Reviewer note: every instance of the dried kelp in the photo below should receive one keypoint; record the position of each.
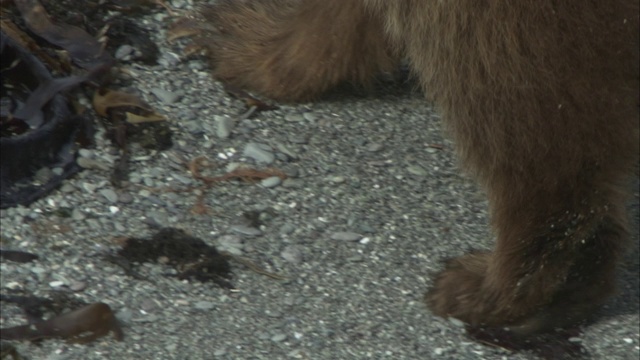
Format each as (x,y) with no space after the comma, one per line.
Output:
(83,325)
(83,49)
(130,119)
(17,256)
(192,257)
(38,129)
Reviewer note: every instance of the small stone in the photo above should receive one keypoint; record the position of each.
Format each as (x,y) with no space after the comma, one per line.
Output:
(271,182)
(456,322)
(77,214)
(375,147)
(78,286)
(273,314)
(231,243)
(294,117)
(87,153)
(123,52)
(56,283)
(284,149)
(224,126)
(259,153)
(310,116)
(109,194)
(278,337)
(346,236)
(292,254)
(87,163)
(298,139)
(125,198)
(204,305)
(125,315)
(416,170)
(67,188)
(292,183)
(43,175)
(168,97)
(246,230)
(366,228)
(287,229)
(219,352)
(89,187)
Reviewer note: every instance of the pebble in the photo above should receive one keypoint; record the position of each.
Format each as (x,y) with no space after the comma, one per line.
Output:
(89,187)
(310,116)
(279,337)
(224,126)
(292,183)
(259,153)
(204,305)
(416,170)
(56,283)
(87,153)
(375,147)
(125,197)
(294,117)
(271,182)
(166,96)
(286,150)
(273,313)
(37,270)
(292,254)
(287,229)
(123,52)
(125,315)
(231,243)
(109,194)
(246,230)
(77,286)
(77,214)
(43,175)
(298,139)
(456,322)
(346,236)
(87,163)
(67,188)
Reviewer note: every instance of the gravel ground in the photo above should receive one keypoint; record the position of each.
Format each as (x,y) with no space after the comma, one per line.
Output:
(368,212)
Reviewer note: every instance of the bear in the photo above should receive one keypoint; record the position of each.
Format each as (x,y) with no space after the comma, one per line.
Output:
(539,96)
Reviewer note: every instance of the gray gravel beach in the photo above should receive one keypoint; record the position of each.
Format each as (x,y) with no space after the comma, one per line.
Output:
(372,205)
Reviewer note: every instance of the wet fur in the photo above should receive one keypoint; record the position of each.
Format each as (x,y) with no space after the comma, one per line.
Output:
(540,96)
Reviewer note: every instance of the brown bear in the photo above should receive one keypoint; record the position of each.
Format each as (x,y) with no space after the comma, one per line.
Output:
(540,97)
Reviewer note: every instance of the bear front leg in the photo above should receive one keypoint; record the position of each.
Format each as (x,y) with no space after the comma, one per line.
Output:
(294,51)
(545,117)
(534,285)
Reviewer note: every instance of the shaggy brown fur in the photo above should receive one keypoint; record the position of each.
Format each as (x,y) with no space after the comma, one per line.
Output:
(540,96)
